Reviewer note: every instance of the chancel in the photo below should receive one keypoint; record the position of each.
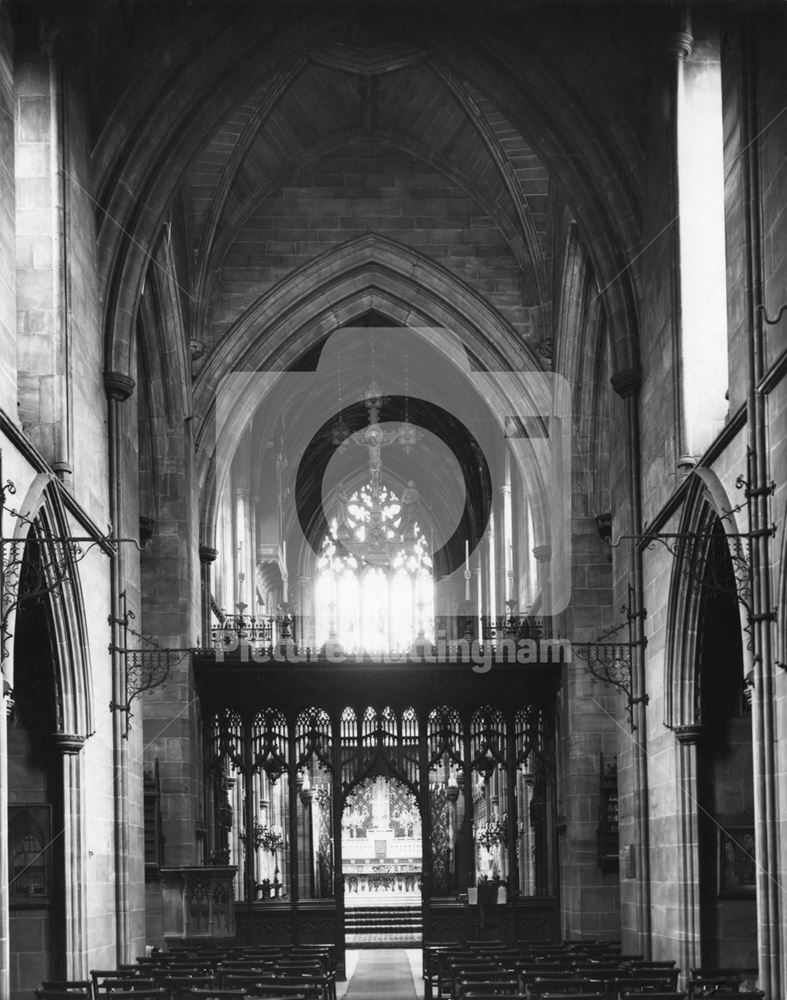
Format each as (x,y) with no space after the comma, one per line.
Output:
(393,477)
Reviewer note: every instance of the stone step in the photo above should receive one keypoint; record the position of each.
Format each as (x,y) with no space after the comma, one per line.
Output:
(366,926)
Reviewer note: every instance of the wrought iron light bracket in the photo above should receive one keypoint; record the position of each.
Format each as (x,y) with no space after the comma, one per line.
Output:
(610,661)
(739,543)
(60,553)
(145,669)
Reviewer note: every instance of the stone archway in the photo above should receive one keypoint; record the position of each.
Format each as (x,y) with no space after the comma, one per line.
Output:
(708,709)
(382,848)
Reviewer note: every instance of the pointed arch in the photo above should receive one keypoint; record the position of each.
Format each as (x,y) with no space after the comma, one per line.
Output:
(707,507)
(43,507)
(371,272)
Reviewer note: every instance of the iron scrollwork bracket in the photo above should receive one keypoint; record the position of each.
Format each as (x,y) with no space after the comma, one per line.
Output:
(739,543)
(145,669)
(610,661)
(24,577)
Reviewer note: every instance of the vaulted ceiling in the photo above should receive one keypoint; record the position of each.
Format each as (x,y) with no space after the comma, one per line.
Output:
(366,136)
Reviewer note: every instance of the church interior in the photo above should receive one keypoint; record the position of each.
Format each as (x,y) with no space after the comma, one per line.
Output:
(393,481)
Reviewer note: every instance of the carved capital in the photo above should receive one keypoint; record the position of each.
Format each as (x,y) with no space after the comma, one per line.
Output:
(689,735)
(69,744)
(207,555)
(626,383)
(680,44)
(543,553)
(118,386)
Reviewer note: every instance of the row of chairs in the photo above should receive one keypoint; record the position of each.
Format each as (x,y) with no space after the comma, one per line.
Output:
(304,972)
(482,970)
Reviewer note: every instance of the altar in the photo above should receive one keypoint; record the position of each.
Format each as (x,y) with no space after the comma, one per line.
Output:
(381,845)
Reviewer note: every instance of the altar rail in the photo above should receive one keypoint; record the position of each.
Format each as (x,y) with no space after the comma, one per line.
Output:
(388,883)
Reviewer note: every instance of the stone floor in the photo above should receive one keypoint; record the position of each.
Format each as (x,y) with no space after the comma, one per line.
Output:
(383,974)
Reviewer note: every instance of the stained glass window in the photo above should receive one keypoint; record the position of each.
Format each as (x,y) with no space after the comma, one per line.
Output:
(374,590)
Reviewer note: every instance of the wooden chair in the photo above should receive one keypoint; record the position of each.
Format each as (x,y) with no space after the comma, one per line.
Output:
(430,961)
(461,968)
(155,994)
(709,983)
(571,996)
(278,996)
(312,986)
(52,993)
(214,993)
(76,986)
(568,986)
(179,986)
(737,995)
(287,984)
(123,984)
(312,970)
(497,987)
(241,980)
(642,984)
(653,995)
(474,995)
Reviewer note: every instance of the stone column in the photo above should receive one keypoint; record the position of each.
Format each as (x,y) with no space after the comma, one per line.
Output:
(54,43)
(305,633)
(75,852)
(8,221)
(503,547)
(689,870)
(478,592)
(489,607)
(6,708)
(119,388)
(207,556)
(543,554)
(241,561)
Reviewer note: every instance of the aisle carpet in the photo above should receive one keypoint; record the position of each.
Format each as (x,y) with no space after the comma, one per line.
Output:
(381,974)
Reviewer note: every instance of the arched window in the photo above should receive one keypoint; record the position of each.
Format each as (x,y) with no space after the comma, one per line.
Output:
(374,588)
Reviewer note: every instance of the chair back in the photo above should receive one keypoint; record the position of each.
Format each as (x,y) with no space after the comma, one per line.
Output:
(155,994)
(126,984)
(66,985)
(52,993)
(654,995)
(497,987)
(217,993)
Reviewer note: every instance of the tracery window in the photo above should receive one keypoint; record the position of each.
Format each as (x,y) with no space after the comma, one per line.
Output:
(374,589)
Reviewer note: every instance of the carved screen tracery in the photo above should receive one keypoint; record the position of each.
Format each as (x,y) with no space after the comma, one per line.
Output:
(490,795)
(374,588)
(446,798)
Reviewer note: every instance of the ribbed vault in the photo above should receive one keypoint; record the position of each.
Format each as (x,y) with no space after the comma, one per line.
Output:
(268,97)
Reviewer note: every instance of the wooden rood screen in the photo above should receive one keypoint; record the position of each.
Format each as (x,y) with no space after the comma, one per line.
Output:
(291,751)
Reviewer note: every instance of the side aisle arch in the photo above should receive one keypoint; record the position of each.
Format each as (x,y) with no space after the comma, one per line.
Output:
(45,520)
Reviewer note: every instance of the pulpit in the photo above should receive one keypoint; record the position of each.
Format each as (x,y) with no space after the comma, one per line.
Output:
(198,902)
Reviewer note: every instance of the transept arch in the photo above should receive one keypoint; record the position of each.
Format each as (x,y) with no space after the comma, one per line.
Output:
(372,272)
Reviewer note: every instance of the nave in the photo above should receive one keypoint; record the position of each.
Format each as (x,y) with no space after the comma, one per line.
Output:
(393,501)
